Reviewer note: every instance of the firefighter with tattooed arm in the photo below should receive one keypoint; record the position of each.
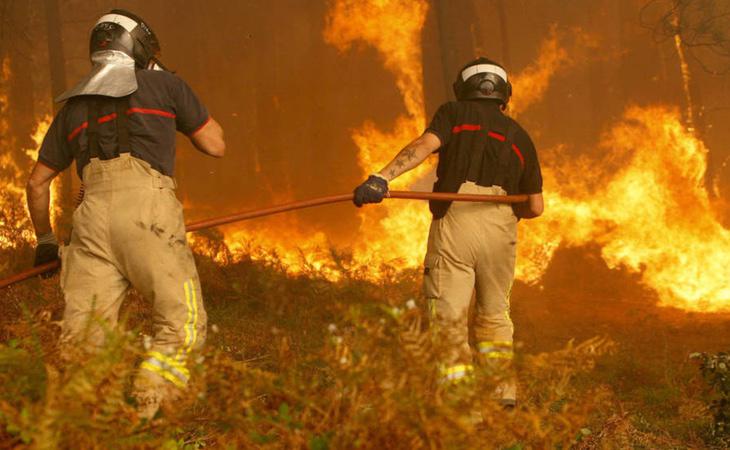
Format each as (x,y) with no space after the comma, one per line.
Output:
(119,125)
(471,246)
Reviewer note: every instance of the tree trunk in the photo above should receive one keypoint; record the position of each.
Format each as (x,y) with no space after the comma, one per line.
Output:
(21,83)
(504,34)
(57,65)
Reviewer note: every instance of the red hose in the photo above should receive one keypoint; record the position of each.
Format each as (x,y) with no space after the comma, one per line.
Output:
(210,223)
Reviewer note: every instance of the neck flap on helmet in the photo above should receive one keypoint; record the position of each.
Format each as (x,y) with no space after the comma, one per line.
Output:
(120,44)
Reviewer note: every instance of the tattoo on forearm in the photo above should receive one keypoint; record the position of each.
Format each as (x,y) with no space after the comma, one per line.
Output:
(403,162)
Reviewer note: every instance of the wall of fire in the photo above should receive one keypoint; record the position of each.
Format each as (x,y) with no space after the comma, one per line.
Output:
(289,101)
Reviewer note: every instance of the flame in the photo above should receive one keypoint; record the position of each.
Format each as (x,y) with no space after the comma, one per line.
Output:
(393,28)
(530,84)
(296,253)
(16,228)
(392,231)
(644,205)
(652,216)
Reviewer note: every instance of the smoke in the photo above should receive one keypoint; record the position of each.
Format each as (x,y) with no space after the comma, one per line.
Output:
(314,96)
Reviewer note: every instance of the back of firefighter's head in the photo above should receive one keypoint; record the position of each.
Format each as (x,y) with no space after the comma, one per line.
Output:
(126,32)
(483,78)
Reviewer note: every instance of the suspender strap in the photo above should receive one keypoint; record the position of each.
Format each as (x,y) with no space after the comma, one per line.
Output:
(505,154)
(92,130)
(122,122)
(476,161)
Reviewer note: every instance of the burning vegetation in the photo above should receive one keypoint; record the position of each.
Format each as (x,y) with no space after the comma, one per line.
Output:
(322,345)
(675,241)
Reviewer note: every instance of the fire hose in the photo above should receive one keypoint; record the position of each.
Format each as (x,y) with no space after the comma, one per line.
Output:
(247,215)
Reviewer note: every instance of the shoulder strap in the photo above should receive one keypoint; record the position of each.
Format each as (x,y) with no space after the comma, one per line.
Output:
(477,154)
(505,154)
(121,106)
(92,127)
(476,161)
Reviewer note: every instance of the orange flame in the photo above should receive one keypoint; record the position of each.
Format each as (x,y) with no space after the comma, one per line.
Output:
(653,216)
(394,28)
(530,85)
(280,243)
(646,208)
(15,169)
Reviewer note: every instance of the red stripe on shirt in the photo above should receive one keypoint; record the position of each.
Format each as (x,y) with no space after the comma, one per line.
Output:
(112,116)
(491,134)
(107,118)
(157,112)
(76,131)
(465,127)
(519,154)
(195,131)
(496,136)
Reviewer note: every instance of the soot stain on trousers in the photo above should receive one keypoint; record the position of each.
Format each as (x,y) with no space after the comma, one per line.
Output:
(157,230)
(172,240)
(175,241)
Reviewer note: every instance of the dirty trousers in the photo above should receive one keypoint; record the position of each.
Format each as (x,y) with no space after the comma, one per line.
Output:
(472,250)
(129,231)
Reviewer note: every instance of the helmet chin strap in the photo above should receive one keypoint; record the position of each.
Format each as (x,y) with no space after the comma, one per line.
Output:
(156,64)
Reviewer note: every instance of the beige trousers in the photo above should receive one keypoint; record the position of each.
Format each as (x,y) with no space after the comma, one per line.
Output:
(129,230)
(472,250)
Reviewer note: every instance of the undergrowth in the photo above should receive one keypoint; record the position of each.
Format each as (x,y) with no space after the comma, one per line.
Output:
(297,362)
(715,370)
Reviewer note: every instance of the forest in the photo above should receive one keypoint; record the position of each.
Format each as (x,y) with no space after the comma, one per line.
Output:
(318,330)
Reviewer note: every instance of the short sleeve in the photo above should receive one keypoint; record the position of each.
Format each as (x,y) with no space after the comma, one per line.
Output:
(441,124)
(531,180)
(191,114)
(55,150)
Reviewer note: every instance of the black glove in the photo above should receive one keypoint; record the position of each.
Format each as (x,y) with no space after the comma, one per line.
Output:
(45,252)
(373,190)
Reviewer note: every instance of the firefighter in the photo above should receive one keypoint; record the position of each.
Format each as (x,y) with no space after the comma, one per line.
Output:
(119,125)
(471,246)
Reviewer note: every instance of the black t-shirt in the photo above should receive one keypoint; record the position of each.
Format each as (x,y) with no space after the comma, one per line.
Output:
(475,145)
(162,105)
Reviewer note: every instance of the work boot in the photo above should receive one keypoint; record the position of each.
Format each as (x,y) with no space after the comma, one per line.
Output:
(148,404)
(508,404)
(505,394)
(148,392)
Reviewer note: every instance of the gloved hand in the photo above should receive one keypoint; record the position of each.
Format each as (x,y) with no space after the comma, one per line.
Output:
(373,190)
(45,252)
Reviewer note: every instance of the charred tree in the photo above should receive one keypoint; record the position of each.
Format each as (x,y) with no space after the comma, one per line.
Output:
(699,31)
(504,34)
(21,94)
(56,60)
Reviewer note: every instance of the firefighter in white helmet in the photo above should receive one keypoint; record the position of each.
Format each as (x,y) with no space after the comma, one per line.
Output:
(471,246)
(119,125)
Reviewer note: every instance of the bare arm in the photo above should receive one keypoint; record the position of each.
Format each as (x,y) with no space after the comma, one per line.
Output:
(532,208)
(38,193)
(411,156)
(209,139)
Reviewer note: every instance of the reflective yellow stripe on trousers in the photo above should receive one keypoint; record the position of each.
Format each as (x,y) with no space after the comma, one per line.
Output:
(457,372)
(496,349)
(173,369)
(168,368)
(191,324)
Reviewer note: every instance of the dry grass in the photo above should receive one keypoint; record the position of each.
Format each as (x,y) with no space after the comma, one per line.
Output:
(300,362)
